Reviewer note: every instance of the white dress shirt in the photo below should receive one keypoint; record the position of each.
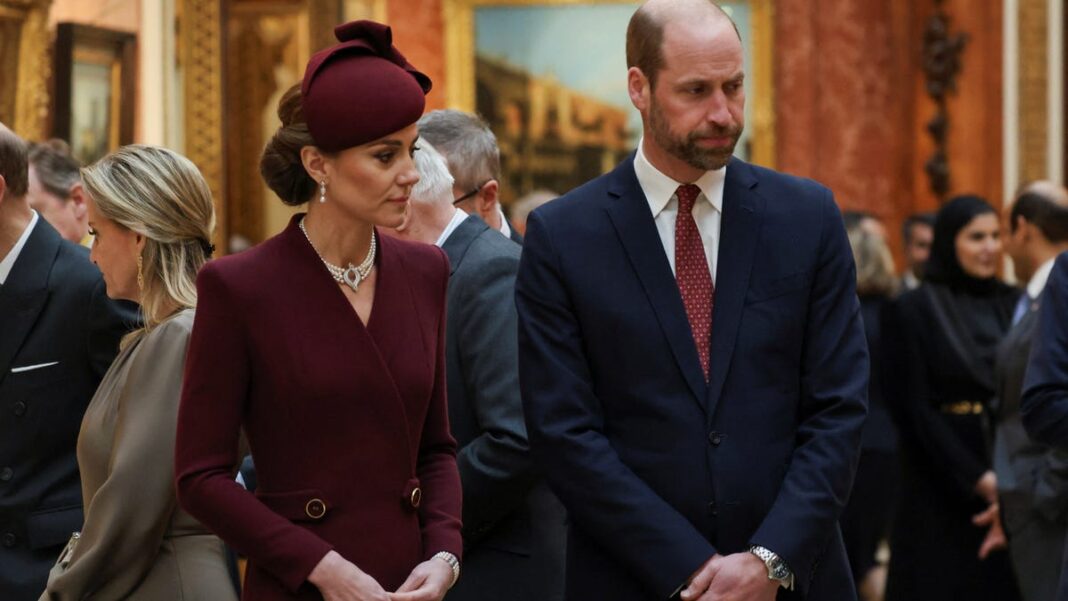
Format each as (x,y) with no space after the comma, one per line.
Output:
(507,231)
(659,191)
(13,254)
(457,218)
(1039,279)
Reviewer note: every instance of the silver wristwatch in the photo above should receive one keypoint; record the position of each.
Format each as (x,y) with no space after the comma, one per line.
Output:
(777,568)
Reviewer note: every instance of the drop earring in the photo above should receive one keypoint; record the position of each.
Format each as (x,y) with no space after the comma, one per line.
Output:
(140,273)
(322,191)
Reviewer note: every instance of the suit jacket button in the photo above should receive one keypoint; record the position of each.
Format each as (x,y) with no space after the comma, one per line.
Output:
(7,474)
(19,409)
(315,509)
(10,539)
(712,510)
(417,497)
(715,438)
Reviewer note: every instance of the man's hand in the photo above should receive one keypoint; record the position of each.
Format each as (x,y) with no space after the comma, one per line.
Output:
(987,487)
(737,577)
(995,536)
(429,581)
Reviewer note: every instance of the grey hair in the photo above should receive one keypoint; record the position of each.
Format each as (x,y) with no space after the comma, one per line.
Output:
(468,144)
(435,181)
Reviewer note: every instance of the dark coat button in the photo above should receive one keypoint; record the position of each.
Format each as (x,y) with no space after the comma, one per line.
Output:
(416,498)
(10,539)
(7,474)
(712,510)
(715,438)
(19,409)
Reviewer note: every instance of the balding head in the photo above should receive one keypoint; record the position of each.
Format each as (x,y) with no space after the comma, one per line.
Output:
(14,166)
(645,32)
(1051,190)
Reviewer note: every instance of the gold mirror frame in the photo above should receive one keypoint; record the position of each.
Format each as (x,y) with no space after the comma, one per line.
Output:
(460,63)
(30,67)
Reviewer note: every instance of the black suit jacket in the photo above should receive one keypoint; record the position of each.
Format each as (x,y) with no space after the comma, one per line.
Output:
(660,469)
(513,526)
(58,335)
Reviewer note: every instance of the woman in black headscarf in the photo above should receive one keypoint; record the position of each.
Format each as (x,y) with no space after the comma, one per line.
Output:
(941,340)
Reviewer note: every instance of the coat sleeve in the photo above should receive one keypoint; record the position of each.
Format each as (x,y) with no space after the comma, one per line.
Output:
(214,397)
(567,433)
(910,397)
(439,514)
(833,405)
(1044,406)
(127,517)
(495,466)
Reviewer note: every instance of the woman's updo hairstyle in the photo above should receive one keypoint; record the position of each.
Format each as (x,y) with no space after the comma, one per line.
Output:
(280,165)
(353,92)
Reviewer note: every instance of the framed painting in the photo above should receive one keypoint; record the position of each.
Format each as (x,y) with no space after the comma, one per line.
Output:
(94,89)
(549,76)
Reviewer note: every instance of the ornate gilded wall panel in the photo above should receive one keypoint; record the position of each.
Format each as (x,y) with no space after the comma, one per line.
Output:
(200,51)
(1033,69)
(25,59)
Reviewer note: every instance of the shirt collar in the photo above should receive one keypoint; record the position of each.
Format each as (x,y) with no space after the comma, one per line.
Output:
(457,218)
(507,231)
(1039,279)
(659,189)
(12,255)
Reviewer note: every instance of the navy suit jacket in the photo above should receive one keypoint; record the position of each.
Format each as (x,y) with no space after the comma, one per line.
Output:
(1044,406)
(658,469)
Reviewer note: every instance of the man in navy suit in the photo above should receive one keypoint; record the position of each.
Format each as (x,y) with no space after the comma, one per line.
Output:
(59,333)
(692,361)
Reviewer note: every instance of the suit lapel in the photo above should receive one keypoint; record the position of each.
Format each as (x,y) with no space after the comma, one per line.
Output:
(456,245)
(25,291)
(739,231)
(630,215)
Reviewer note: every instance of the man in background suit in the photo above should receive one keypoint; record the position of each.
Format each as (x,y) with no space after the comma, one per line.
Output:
(692,358)
(58,335)
(513,525)
(917,233)
(1032,478)
(470,149)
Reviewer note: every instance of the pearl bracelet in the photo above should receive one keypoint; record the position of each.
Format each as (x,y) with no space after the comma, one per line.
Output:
(454,563)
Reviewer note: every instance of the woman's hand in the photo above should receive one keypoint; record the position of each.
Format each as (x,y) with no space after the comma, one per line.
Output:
(340,580)
(995,535)
(987,487)
(429,581)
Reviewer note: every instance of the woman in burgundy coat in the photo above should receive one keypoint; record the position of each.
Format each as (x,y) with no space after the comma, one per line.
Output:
(325,346)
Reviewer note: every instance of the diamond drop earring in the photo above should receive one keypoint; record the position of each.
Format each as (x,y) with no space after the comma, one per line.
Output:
(322,191)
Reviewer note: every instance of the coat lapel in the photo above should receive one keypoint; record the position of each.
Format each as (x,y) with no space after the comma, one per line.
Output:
(456,245)
(25,291)
(739,231)
(629,212)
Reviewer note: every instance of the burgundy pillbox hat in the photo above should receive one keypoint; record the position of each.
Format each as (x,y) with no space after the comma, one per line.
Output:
(360,89)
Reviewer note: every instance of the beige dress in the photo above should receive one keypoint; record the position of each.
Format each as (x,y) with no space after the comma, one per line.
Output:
(136,543)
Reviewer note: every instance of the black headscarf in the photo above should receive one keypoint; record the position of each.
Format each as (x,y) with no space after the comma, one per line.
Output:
(943,266)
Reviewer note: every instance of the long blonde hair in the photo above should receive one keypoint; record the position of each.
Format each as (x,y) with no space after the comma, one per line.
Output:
(162,196)
(875,263)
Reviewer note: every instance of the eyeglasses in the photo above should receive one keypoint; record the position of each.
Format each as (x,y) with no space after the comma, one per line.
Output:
(471,193)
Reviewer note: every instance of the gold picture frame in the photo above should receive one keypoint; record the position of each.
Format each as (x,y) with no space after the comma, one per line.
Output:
(461,83)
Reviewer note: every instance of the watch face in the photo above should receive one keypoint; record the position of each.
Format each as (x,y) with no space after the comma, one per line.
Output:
(779,570)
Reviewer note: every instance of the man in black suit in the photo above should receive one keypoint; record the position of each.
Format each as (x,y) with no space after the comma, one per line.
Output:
(1032,477)
(58,335)
(470,149)
(513,526)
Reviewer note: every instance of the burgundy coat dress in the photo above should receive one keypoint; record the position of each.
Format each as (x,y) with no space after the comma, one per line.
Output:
(347,423)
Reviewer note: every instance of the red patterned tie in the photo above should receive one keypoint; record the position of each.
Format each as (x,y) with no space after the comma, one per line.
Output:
(692,274)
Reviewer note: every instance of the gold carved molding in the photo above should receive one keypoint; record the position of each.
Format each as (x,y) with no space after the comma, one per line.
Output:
(458,16)
(26,106)
(1033,85)
(200,56)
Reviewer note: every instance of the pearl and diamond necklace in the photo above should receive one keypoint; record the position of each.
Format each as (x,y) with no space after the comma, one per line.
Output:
(352,275)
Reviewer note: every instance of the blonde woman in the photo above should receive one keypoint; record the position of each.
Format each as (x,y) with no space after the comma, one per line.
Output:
(151,214)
